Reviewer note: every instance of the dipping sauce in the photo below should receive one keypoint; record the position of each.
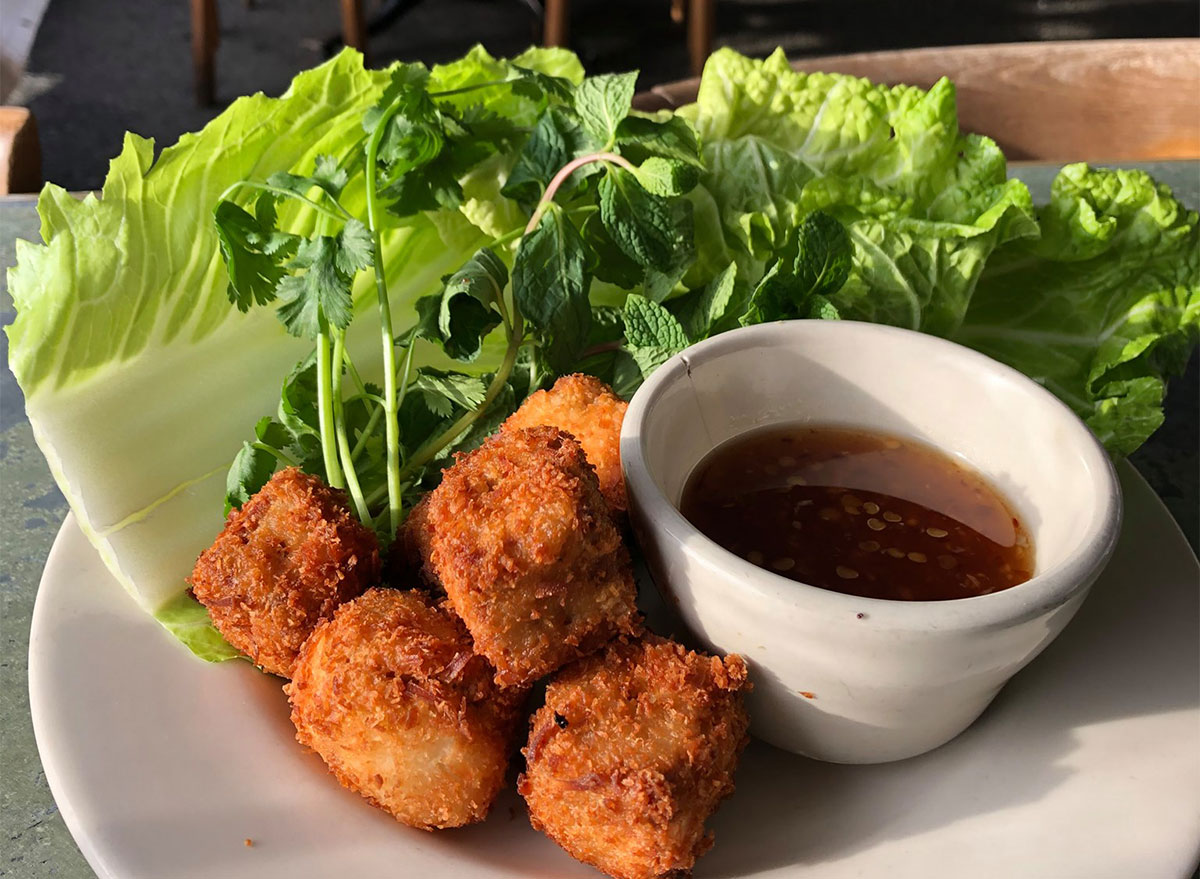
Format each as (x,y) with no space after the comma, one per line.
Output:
(858,512)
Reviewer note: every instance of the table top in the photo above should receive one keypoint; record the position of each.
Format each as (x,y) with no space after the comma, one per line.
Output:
(31,510)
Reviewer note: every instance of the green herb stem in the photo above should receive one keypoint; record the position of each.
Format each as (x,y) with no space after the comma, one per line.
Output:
(284,457)
(429,451)
(372,423)
(325,417)
(339,429)
(390,406)
(470,88)
(339,217)
(566,171)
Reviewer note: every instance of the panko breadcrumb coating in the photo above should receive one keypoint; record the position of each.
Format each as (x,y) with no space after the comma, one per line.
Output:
(632,752)
(282,564)
(391,696)
(586,408)
(529,556)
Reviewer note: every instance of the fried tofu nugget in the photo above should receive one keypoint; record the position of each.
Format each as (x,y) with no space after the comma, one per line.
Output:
(586,408)
(391,696)
(527,551)
(632,752)
(282,564)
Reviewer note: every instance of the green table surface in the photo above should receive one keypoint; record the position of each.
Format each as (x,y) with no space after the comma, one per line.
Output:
(36,841)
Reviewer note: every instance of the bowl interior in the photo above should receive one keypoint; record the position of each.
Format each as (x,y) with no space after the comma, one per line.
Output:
(1043,460)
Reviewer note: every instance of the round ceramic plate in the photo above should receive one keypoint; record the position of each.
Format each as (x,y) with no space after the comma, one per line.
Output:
(1087,764)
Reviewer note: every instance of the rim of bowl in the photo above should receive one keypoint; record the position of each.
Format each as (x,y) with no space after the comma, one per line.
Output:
(1043,592)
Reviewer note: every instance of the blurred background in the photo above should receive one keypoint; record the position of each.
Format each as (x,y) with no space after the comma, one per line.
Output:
(89,70)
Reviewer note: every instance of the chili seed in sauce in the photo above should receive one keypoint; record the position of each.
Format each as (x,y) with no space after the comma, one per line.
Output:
(859,512)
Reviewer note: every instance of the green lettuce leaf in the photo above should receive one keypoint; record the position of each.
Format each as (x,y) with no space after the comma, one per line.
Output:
(140,379)
(924,204)
(1104,306)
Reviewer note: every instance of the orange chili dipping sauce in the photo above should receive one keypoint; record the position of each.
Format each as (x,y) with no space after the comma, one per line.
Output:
(858,512)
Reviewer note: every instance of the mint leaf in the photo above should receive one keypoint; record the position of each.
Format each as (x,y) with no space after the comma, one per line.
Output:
(467,311)
(641,224)
(823,254)
(702,313)
(606,261)
(813,265)
(603,101)
(660,176)
(648,324)
(550,285)
(671,138)
(556,139)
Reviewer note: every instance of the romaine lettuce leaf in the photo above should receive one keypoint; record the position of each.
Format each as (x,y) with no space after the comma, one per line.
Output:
(1104,306)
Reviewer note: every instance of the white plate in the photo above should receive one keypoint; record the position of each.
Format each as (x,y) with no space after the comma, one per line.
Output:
(1087,765)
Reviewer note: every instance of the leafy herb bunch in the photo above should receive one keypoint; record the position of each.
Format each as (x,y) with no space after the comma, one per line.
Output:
(592,282)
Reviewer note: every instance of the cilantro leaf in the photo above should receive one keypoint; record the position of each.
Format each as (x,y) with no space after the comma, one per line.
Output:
(444,390)
(406,79)
(355,248)
(550,285)
(253,252)
(603,101)
(318,297)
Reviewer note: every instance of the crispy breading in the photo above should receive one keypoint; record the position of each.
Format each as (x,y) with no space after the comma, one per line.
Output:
(632,752)
(391,696)
(528,553)
(282,564)
(586,408)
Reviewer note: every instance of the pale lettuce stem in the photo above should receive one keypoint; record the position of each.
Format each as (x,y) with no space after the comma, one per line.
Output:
(333,470)
(566,171)
(391,422)
(339,429)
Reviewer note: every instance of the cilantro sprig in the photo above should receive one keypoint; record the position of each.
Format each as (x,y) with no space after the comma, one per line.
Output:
(602,196)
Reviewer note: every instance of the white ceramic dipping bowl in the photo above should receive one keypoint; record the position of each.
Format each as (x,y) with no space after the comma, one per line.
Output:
(837,677)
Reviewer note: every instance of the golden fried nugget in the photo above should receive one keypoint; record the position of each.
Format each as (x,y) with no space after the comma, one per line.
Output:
(391,696)
(282,564)
(632,752)
(529,556)
(586,408)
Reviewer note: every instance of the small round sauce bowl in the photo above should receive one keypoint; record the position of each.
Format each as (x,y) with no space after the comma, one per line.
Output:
(838,677)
